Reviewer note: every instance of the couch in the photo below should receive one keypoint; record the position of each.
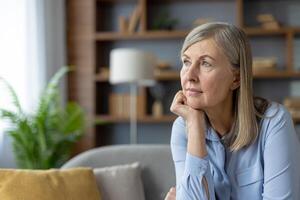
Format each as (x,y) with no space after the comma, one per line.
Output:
(157,173)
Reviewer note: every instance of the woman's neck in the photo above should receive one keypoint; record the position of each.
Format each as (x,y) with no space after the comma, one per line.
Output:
(221,117)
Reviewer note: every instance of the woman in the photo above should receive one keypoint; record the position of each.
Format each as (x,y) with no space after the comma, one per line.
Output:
(225,143)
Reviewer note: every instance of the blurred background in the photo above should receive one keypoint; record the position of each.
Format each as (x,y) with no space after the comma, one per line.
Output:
(38,37)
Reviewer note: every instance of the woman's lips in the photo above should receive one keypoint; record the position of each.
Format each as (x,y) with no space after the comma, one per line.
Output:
(193,92)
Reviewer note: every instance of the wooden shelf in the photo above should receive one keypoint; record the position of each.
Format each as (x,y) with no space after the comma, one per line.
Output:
(167,75)
(159,1)
(174,1)
(149,35)
(161,76)
(116,1)
(258,31)
(174,75)
(103,119)
(275,74)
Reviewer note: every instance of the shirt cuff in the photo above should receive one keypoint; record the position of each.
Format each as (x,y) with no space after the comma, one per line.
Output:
(196,166)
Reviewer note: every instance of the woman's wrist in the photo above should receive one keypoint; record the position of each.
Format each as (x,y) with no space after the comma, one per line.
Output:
(196,121)
(196,137)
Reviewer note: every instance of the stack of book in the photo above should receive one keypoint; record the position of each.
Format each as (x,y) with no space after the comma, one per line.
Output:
(120,105)
(268,21)
(264,63)
(293,105)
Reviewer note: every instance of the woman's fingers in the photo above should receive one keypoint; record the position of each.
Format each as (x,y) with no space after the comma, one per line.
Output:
(173,191)
(171,194)
(178,105)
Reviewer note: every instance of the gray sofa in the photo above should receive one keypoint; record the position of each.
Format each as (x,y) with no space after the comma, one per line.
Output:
(158,173)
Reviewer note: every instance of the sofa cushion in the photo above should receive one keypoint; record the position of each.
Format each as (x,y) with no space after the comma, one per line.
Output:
(158,172)
(66,184)
(120,182)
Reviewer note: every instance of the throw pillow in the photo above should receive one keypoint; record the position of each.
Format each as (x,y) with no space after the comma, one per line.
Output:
(120,182)
(66,184)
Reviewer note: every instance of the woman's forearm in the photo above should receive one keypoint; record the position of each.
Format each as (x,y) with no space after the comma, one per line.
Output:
(196,139)
(197,147)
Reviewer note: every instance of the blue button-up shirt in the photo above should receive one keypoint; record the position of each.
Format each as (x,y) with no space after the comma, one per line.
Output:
(267,169)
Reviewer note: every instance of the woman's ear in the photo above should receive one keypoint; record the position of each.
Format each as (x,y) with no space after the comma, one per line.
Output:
(236,79)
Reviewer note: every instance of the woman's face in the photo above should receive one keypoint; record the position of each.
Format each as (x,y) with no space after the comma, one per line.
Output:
(207,77)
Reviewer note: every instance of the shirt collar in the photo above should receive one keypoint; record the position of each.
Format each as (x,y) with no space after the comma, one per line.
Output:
(212,135)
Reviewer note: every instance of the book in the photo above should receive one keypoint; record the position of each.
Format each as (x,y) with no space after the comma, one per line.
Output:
(141,104)
(262,18)
(264,63)
(123,24)
(134,18)
(270,25)
(292,102)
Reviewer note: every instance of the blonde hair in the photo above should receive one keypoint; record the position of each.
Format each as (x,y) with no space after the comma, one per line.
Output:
(235,44)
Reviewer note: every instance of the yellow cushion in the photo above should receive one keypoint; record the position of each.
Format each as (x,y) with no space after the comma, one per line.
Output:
(64,184)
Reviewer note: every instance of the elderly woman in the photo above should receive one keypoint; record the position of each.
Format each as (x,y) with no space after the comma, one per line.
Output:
(226,144)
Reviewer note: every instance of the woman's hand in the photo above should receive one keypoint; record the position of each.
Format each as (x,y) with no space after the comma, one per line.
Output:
(195,124)
(179,107)
(171,194)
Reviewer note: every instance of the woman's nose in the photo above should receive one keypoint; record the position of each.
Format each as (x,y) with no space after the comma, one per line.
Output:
(192,73)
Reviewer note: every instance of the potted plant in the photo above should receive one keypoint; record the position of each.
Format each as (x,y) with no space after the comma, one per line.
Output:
(44,138)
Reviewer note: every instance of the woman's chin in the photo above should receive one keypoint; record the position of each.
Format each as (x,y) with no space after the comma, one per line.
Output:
(195,105)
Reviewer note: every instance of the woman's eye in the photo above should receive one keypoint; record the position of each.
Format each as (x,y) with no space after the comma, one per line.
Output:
(186,62)
(205,64)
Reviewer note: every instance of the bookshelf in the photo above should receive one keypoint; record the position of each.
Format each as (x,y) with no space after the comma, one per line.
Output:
(145,119)
(92,31)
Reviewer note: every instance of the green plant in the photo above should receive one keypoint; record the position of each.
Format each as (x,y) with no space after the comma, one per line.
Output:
(44,139)
(163,21)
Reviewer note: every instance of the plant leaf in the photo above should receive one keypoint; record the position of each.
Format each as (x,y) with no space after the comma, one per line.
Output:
(10,115)
(74,118)
(13,95)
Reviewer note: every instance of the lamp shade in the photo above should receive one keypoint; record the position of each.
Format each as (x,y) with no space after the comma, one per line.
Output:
(131,66)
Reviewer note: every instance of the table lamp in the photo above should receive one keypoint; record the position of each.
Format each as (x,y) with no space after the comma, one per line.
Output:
(136,68)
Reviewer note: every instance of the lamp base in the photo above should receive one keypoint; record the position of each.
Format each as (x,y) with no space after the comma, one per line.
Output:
(133,116)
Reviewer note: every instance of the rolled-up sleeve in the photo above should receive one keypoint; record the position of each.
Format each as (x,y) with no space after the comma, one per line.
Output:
(190,170)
